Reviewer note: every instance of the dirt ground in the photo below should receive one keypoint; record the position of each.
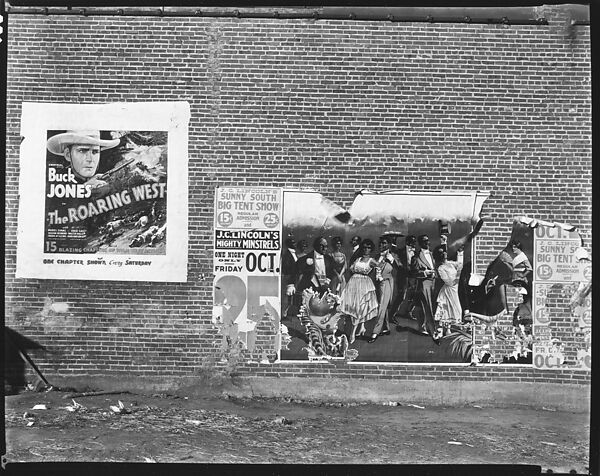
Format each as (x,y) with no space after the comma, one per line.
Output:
(215,428)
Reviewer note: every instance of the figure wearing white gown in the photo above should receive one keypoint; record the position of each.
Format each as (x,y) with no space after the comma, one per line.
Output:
(359,298)
(449,310)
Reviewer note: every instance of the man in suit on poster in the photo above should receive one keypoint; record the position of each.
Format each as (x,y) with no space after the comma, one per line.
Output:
(288,277)
(407,283)
(387,268)
(315,270)
(391,237)
(355,242)
(423,269)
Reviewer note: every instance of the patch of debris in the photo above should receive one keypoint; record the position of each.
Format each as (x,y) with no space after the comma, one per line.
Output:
(131,417)
(297,401)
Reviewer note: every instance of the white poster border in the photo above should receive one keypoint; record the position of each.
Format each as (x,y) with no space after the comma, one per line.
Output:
(37,119)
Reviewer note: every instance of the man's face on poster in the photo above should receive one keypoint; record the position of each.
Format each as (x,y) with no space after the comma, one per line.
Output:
(84,159)
(321,246)
(383,246)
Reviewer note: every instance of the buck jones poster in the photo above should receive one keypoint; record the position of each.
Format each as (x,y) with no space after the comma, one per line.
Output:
(102,190)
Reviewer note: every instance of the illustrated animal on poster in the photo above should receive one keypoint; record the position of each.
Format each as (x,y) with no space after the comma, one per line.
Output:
(113,226)
(319,316)
(158,235)
(142,222)
(144,238)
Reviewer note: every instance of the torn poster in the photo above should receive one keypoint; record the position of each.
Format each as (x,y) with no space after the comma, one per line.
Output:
(103,174)
(349,290)
(562,266)
(392,279)
(247,244)
(541,281)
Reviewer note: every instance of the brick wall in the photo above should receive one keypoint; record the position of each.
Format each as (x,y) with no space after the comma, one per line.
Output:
(334,106)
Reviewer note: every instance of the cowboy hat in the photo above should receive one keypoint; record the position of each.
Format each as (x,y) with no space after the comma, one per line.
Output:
(56,144)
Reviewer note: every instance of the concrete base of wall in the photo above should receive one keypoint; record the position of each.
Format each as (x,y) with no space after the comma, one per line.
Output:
(574,398)
(564,397)
(143,384)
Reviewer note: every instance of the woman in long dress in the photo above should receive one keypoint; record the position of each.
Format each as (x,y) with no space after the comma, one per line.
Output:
(449,310)
(340,265)
(359,299)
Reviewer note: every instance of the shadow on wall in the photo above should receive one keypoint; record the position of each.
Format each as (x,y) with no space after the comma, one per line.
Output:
(15,358)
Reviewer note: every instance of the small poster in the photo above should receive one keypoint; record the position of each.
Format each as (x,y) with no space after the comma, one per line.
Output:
(247,245)
(556,263)
(103,192)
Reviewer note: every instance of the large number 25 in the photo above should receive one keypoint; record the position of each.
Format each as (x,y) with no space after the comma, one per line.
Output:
(256,294)
(263,287)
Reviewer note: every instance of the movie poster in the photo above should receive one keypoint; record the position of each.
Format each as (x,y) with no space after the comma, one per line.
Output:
(103,192)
